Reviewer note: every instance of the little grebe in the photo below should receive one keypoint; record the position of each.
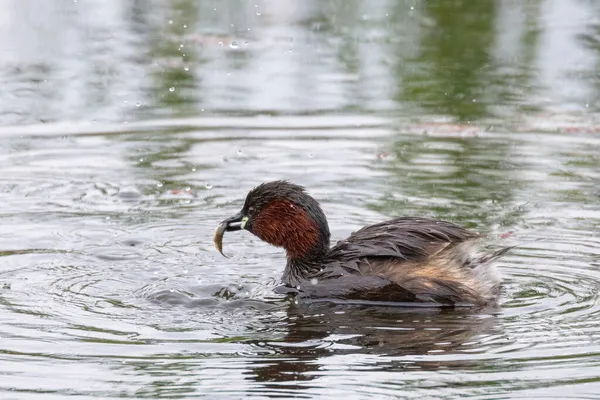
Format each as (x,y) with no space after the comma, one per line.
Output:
(405,259)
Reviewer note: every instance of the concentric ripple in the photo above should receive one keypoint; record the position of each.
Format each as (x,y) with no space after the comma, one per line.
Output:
(110,285)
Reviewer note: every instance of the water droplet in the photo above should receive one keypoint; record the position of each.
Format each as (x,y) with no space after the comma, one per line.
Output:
(474,100)
(246,43)
(412,7)
(221,44)
(194,169)
(93,121)
(171,290)
(171,89)
(159,184)
(311,155)
(125,101)
(314,281)
(186,68)
(257,13)
(234,45)
(209,186)
(184,26)
(138,104)
(239,152)
(170,22)
(185,271)
(586,105)
(141,160)
(181,46)
(188,189)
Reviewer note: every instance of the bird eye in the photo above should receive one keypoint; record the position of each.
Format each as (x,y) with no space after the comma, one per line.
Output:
(251,210)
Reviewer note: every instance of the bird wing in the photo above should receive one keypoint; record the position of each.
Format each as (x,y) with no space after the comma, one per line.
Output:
(404,239)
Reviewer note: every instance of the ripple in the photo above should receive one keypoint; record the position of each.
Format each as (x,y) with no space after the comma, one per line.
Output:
(110,276)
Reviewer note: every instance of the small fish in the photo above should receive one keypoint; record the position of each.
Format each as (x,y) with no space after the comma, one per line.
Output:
(218,238)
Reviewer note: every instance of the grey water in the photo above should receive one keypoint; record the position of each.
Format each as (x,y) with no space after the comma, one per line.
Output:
(130,129)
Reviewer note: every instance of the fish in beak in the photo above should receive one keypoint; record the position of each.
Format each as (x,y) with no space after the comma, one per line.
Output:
(235,223)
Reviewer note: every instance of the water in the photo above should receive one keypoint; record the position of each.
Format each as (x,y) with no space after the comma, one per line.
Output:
(112,186)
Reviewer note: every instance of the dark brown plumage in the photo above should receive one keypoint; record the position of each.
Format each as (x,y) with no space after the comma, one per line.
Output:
(405,259)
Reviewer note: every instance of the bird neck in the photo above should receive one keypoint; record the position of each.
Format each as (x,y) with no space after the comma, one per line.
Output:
(299,270)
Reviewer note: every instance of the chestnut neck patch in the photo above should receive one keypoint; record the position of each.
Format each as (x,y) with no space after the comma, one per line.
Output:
(285,224)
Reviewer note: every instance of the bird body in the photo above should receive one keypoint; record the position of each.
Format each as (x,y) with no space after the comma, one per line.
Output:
(406,259)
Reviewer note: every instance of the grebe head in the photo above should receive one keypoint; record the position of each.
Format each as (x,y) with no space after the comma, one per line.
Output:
(284,215)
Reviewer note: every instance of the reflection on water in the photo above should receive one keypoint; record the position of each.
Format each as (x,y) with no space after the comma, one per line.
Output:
(130,129)
(108,270)
(125,61)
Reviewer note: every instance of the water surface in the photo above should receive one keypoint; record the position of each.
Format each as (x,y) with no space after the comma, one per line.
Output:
(130,129)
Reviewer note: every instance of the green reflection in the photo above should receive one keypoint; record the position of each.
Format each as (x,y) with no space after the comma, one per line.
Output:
(456,70)
(176,86)
(590,40)
(453,63)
